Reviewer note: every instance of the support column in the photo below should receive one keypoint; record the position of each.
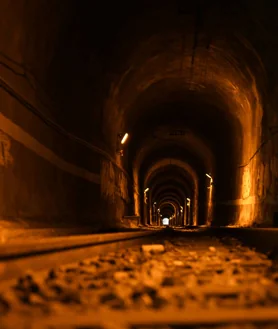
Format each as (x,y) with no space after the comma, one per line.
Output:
(150,210)
(184,214)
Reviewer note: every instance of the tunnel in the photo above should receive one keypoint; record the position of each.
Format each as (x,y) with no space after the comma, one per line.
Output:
(112,111)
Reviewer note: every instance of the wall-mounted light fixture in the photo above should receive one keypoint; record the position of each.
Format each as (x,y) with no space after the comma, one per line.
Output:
(181,209)
(145,195)
(188,202)
(211,180)
(209,176)
(122,138)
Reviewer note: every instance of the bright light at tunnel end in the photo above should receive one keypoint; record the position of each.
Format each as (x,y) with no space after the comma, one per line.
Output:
(124,138)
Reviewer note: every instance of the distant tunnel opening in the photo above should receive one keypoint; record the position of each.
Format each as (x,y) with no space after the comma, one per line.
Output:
(165,221)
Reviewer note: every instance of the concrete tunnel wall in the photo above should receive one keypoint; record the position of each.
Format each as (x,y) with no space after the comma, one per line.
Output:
(62,106)
(55,172)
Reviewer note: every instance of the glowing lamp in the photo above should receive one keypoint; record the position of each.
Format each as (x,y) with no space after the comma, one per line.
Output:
(124,138)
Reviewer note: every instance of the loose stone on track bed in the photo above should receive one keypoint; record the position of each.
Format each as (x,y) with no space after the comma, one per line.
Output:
(177,273)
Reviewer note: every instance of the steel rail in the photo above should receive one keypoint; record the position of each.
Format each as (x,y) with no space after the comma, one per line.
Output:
(107,319)
(15,260)
(25,247)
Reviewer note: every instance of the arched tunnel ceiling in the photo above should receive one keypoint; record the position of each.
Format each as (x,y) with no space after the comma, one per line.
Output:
(155,151)
(188,144)
(169,200)
(199,66)
(186,68)
(206,68)
(168,183)
(171,191)
(183,119)
(175,176)
(171,167)
(173,186)
(168,208)
(171,197)
(218,63)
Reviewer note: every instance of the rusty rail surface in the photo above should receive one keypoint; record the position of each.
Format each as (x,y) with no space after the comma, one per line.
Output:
(107,319)
(16,259)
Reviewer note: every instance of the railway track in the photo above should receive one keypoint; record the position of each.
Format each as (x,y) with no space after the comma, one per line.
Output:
(35,255)
(148,279)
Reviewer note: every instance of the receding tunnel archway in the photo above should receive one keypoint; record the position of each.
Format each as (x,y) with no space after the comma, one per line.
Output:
(217,96)
(187,148)
(197,84)
(180,216)
(158,174)
(168,209)
(226,144)
(173,193)
(177,193)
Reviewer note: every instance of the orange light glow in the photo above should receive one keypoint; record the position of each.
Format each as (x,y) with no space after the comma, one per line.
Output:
(124,138)
(210,204)
(209,176)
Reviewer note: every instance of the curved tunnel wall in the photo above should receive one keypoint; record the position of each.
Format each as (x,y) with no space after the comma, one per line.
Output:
(53,158)
(227,79)
(70,84)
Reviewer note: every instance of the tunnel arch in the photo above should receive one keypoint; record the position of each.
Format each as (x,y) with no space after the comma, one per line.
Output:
(171,162)
(164,163)
(172,191)
(173,186)
(155,213)
(168,205)
(181,218)
(74,84)
(197,160)
(169,191)
(217,77)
